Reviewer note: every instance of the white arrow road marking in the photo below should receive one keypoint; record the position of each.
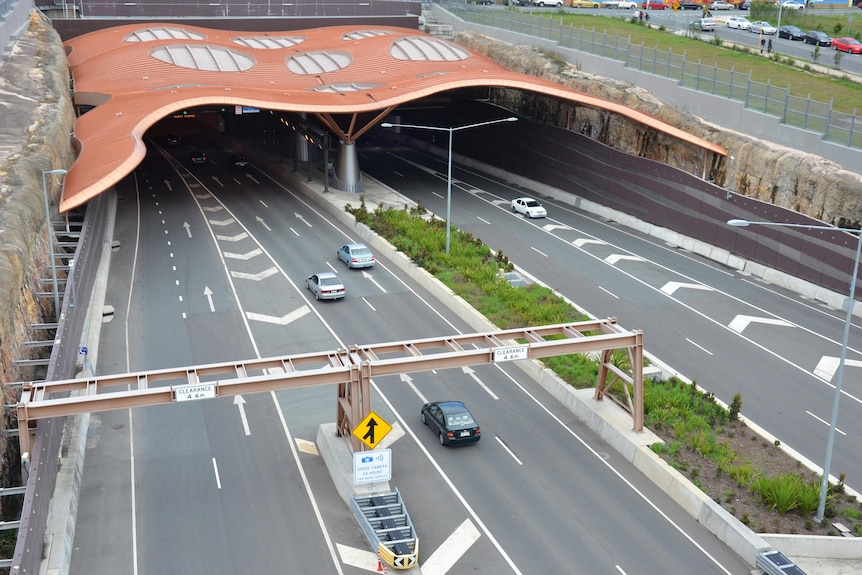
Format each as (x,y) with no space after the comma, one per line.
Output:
(255,277)
(263,223)
(250,177)
(409,381)
(741,322)
(614,258)
(584,241)
(226,222)
(188,228)
(370,278)
(208,292)
(218,181)
(306,446)
(236,238)
(445,556)
(299,217)
(283,320)
(240,403)
(246,256)
(466,369)
(168,185)
(828,365)
(671,287)
(213,208)
(396,433)
(552,227)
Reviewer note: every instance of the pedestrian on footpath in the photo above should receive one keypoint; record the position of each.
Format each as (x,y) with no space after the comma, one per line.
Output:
(769,46)
(762,43)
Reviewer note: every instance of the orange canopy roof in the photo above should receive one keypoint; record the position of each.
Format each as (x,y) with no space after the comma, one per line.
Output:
(137,74)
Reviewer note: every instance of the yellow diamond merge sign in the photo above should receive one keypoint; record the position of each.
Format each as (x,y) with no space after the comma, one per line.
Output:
(372,430)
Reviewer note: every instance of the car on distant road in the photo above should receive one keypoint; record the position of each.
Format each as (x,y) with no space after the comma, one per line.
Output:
(762,27)
(623,4)
(174,140)
(738,22)
(653,5)
(792,5)
(849,45)
(451,421)
(791,33)
(541,3)
(356,256)
(237,162)
(690,6)
(529,207)
(585,4)
(818,38)
(325,285)
(745,5)
(198,157)
(703,25)
(720,5)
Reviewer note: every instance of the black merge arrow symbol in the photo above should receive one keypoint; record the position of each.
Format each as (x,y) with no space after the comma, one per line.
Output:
(369,435)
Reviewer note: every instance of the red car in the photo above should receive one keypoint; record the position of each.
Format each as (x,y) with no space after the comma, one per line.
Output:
(849,45)
(653,5)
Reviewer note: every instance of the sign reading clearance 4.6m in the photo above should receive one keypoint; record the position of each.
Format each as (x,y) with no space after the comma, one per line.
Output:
(511,353)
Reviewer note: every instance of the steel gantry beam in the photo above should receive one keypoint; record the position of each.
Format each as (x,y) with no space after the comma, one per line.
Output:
(351,369)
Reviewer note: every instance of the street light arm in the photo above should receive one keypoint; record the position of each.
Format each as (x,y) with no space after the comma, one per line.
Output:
(745,223)
(453,129)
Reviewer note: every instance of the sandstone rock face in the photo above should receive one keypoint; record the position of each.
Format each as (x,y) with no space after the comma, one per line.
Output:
(783,176)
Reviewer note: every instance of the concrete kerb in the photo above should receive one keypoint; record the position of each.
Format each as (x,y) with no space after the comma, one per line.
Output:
(604,418)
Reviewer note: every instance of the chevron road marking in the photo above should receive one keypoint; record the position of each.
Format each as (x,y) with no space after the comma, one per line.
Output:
(671,287)
(213,208)
(246,256)
(255,277)
(741,322)
(445,556)
(552,227)
(584,241)
(614,258)
(236,238)
(226,222)
(283,320)
(828,365)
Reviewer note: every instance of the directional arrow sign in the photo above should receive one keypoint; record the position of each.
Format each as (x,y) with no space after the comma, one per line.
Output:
(168,184)
(741,322)
(370,278)
(208,292)
(188,228)
(263,223)
(371,430)
(299,217)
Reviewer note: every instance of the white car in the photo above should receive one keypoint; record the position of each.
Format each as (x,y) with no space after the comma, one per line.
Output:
(738,22)
(541,3)
(792,5)
(761,27)
(624,4)
(529,207)
(720,5)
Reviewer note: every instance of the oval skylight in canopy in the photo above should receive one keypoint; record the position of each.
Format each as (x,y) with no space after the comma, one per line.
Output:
(345,87)
(360,34)
(268,42)
(203,57)
(426,48)
(163,33)
(319,62)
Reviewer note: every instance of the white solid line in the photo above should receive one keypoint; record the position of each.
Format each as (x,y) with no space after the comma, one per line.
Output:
(483,220)
(824,422)
(620,569)
(538,252)
(700,347)
(438,195)
(609,293)
(509,451)
(134,505)
(215,470)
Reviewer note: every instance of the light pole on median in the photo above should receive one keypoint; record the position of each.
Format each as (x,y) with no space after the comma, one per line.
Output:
(839,374)
(53,261)
(449,170)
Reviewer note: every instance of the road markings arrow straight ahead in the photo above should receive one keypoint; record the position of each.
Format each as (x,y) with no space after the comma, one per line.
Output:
(263,223)
(208,292)
(240,403)
(299,217)
(370,278)
(188,228)
(741,322)
(471,373)
(671,287)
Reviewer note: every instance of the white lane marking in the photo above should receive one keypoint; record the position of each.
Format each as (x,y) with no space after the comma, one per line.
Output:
(824,422)
(609,293)
(581,242)
(188,228)
(700,347)
(255,277)
(262,222)
(483,220)
(466,369)
(614,258)
(245,257)
(396,433)
(368,303)
(438,195)
(215,470)
(670,287)
(213,208)
(240,403)
(620,569)
(509,451)
(301,218)
(444,557)
(283,320)
(370,278)
(226,222)
(263,203)
(409,381)
(539,252)
(828,365)
(552,227)
(397,173)
(296,233)
(741,322)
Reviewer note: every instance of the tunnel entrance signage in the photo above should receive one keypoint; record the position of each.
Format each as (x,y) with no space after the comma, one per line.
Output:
(194,391)
(511,353)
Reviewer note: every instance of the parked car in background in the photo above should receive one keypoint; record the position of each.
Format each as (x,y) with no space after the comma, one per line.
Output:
(325,285)
(791,33)
(703,25)
(356,256)
(451,421)
(541,3)
(849,45)
(738,22)
(653,5)
(529,207)
(690,6)
(585,4)
(793,5)
(720,5)
(746,4)
(624,4)
(818,38)
(762,27)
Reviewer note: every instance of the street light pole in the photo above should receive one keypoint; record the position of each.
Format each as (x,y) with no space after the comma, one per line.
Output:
(449,161)
(839,374)
(53,261)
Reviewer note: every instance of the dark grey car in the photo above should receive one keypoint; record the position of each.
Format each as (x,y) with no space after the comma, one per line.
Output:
(818,38)
(451,421)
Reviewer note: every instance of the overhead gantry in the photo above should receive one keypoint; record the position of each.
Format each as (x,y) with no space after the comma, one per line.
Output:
(350,369)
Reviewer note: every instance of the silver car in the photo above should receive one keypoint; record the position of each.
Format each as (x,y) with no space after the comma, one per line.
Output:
(529,207)
(325,285)
(356,256)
